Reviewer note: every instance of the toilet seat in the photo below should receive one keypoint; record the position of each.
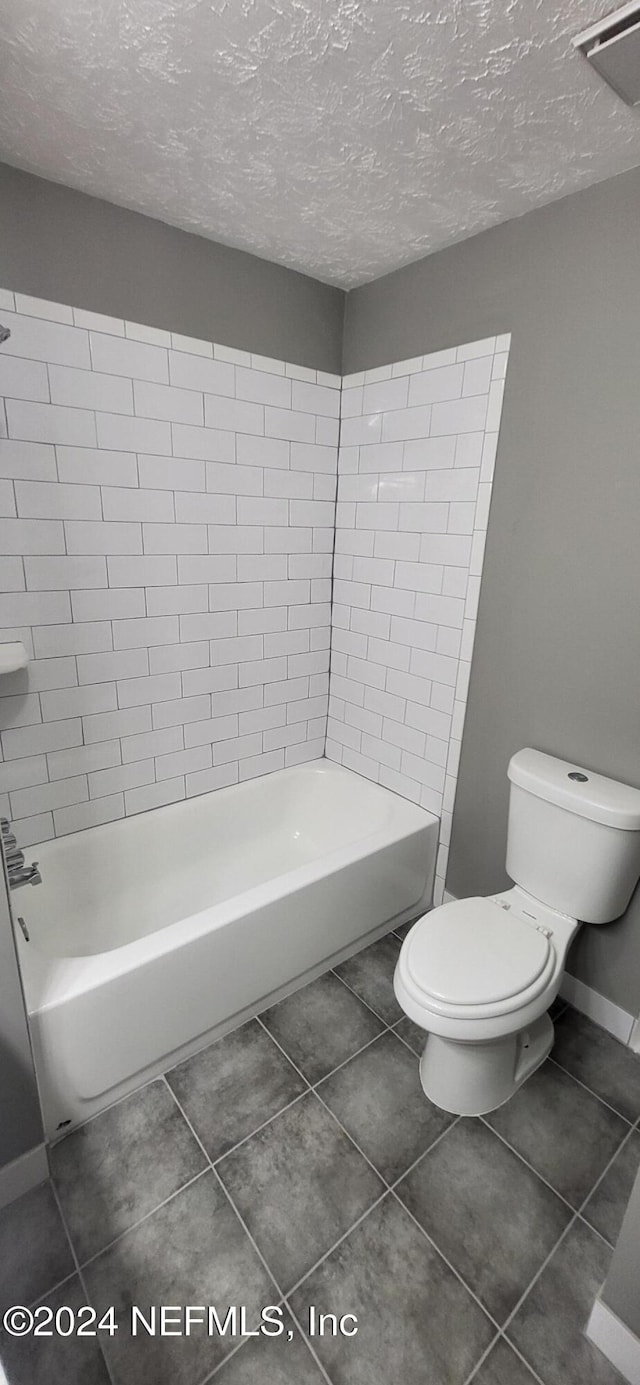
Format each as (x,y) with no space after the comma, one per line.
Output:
(474,959)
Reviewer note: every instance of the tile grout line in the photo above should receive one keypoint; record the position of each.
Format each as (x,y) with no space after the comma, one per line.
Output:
(390,1189)
(500,1337)
(345,1061)
(599,1180)
(210,1169)
(428,1150)
(334,1246)
(481,1360)
(213,1163)
(210,1163)
(406,1043)
(134,1225)
(512,1150)
(447,1262)
(54,1287)
(269,1121)
(539,1272)
(387,1028)
(80,1275)
(355,993)
(585,1088)
(577,1216)
(307,1342)
(323,1103)
(245,1228)
(576,1213)
(518,1353)
(334,541)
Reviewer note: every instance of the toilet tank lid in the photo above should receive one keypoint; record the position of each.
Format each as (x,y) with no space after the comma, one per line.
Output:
(578,790)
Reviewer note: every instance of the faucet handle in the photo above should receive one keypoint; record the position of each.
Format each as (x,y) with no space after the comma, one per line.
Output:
(5,825)
(9,842)
(26,875)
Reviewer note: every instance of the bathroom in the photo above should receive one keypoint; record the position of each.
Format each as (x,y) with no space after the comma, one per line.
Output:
(318,550)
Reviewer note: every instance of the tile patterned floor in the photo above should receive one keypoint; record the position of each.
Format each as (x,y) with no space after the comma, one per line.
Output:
(296,1162)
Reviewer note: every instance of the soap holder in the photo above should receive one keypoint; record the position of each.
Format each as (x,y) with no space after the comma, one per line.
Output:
(13,657)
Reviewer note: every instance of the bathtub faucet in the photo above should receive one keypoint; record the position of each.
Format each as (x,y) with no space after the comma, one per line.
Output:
(24,875)
(18,873)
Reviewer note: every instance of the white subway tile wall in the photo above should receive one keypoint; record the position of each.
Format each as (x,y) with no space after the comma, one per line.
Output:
(167,522)
(417,451)
(167,513)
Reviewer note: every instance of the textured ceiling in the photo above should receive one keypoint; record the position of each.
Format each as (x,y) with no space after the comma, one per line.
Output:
(342,139)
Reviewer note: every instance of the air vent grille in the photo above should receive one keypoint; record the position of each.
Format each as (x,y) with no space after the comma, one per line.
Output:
(612,47)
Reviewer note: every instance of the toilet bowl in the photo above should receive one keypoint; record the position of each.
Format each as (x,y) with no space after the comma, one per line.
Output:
(478,975)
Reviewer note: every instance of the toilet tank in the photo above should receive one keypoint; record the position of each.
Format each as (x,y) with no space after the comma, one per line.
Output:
(573,838)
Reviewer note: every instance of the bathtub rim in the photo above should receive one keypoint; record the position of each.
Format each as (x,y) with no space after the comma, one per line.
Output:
(51,979)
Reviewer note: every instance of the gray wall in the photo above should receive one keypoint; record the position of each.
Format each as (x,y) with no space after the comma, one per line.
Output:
(60,244)
(20,1124)
(621,1290)
(557,655)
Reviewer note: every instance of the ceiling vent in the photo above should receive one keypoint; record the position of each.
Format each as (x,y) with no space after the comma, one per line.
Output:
(612,46)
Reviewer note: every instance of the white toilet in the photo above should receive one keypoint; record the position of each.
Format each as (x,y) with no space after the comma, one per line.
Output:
(478,975)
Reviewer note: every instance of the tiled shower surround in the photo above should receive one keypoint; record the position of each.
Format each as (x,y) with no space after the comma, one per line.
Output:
(167,531)
(417,450)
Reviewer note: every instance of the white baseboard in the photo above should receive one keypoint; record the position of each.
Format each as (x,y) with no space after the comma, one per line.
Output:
(23,1174)
(615,1340)
(598,1008)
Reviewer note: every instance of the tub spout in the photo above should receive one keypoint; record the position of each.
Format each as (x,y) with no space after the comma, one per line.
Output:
(28,875)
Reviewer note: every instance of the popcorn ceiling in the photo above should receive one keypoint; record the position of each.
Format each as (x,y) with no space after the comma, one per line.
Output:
(342,138)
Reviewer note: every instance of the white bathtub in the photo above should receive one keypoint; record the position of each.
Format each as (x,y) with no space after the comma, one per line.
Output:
(151,936)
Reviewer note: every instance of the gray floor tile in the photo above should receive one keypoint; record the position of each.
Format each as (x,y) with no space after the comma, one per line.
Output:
(192,1250)
(549,1327)
(234,1086)
(610,1069)
(121,1165)
(54,1360)
(370,975)
(378,1098)
(564,1131)
(272,1361)
(503,1367)
(34,1251)
(321,1025)
(607,1205)
(412,1034)
(299,1184)
(404,928)
(493,1219)
(416,1322)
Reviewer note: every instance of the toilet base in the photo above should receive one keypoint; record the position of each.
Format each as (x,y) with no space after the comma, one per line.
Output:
(470,1079)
